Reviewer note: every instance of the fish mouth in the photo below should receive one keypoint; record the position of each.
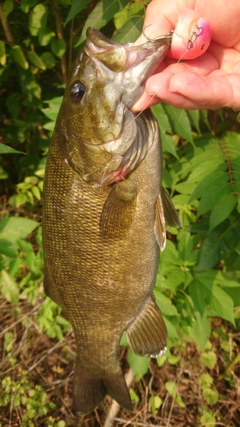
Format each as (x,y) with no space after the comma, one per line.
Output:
(135,62)
(122,71)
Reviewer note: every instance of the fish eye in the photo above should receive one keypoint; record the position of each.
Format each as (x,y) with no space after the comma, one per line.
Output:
(77,91)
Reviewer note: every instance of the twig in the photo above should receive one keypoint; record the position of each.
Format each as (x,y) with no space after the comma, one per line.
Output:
(6,28)
(50,350)
(115,406)
(20,319)
(60,36)
(230,367)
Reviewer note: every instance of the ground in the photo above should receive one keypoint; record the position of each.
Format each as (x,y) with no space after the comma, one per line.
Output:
(36,374)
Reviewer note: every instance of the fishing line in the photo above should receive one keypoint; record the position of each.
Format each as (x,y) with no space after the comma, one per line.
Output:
(159,87)
(196,31)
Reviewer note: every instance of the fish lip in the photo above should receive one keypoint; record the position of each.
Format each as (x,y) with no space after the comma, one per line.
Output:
(126,56)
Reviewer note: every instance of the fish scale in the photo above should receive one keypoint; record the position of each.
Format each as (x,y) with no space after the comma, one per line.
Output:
(101,250)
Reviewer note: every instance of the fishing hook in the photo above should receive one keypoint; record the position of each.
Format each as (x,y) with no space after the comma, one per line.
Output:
(158,37)
(196,32)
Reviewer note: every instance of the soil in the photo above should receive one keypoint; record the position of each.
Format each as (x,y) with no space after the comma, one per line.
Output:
(49,363)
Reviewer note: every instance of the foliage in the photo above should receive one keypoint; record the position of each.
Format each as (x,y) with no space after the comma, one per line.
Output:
(35,402)
(199,275)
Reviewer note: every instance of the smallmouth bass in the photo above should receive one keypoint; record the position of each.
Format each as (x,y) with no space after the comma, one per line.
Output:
(103,216)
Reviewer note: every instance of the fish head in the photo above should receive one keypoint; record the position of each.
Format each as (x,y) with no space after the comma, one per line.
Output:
(100,130)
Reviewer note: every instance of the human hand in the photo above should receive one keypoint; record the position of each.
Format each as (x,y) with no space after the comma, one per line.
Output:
(210,81)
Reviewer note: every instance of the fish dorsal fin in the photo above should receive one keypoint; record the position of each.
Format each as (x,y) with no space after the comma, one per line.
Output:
(147,335)
(160,226)
(118,210)
(170,213)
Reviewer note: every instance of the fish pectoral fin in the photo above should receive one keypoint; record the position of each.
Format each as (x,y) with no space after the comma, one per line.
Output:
(171,215)
(147,335)
(88,391)
(118,210)
(160,226)
(166,214)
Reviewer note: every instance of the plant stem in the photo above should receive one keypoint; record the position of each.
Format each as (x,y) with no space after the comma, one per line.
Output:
(113,411)
(6,28)
(60,36)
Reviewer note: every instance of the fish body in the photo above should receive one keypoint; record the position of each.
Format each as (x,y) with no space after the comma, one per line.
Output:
(102,206)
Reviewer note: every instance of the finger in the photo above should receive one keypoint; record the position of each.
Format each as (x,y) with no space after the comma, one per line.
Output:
(161,93)
(191,91)
(214,91)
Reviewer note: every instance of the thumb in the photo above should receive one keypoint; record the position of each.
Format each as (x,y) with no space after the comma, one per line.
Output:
(160,18)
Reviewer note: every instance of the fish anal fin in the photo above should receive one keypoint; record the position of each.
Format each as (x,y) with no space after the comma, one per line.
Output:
(160,227)
(118,210)
(89,391)
(147,335)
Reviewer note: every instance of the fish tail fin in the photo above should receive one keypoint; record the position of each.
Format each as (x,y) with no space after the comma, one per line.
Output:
(88,391)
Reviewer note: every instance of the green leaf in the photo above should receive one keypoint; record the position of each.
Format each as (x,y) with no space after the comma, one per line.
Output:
(58,47)
(37,19)
(179,122)
(13,228)
(222,209)
(36,61)
(209,252)
(217,277)
(185,248)
(194,117)
(6,249)
(25,246)
(20,200)
(130,31)
(45,35)
(130,11)
(212,187)
(138,364)
(222,304)
(209,359)
(8,6)
(210,395)
(101,15)
(165,304)
(48,59)
(165,129)
(3,56)
(180,402)
(9,288)
(205,380)
(155,403)
(197,295)
(27,4)
(201,330)
(36,192)
(134,397)
(5,149)
(171,388)
(207,158)
(76,7)
(172,332)
(207,419)
(19,57)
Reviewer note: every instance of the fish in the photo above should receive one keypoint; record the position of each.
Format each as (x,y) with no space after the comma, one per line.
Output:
(103,217)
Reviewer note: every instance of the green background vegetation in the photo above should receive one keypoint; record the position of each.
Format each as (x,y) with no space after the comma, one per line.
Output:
(198,284)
